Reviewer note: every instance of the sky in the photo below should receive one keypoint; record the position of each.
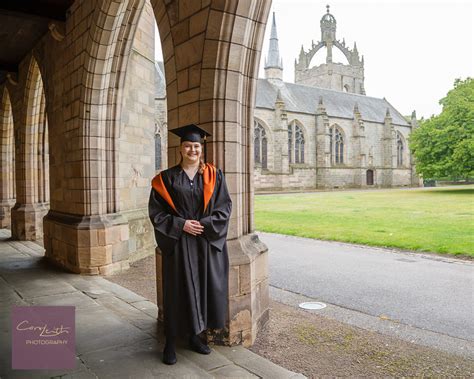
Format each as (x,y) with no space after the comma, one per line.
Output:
(413,50)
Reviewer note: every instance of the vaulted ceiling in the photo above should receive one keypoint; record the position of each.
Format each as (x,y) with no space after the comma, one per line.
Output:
(22,24)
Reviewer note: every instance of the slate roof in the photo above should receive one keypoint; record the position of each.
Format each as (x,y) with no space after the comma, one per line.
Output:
(304,99)
(160,90)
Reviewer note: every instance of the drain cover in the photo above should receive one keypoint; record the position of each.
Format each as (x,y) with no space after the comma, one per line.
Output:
(313,305)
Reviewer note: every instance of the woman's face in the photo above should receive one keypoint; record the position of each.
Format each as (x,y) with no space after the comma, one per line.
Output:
(191,151)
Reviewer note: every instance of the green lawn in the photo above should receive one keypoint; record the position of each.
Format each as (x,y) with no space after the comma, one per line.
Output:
(437,220)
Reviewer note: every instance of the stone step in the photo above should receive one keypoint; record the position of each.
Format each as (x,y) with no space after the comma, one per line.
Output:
(254,363)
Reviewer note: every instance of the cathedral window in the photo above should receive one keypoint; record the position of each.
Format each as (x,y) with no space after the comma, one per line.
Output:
(295,143)
(400,149)
(260,145)
(336,145)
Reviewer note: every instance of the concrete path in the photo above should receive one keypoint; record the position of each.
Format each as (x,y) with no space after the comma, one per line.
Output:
(429,297)
(116,329)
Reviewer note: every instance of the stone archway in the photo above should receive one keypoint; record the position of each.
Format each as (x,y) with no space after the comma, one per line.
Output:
(31,162)
(93,235)
(211,51)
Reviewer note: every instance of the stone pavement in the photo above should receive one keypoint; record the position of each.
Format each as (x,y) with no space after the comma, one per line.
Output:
(116,329)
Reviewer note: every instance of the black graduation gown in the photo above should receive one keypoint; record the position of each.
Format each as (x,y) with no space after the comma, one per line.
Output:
(195,268)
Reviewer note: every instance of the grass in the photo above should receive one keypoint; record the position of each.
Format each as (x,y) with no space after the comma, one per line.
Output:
(439,220)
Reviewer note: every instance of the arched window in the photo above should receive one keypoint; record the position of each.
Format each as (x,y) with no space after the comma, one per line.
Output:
(299,145)
(157,151)
(399,150)
(336,145)
(260,144)
(295,143)
(347,88)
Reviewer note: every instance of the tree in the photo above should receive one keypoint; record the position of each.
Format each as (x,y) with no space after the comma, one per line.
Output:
(443,145)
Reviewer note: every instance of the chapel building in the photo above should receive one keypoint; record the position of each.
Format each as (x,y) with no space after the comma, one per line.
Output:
(323,131)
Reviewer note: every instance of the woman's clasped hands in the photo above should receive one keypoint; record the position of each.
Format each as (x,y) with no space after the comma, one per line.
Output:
(193,227)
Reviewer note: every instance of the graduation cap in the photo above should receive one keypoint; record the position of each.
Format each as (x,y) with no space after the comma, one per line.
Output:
(191,133)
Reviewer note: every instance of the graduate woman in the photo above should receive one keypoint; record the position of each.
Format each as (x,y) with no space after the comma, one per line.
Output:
(190,209)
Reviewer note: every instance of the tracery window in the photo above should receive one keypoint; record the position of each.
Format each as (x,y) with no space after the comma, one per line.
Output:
(260,145)
(336,145)
(400,149)
(295,143)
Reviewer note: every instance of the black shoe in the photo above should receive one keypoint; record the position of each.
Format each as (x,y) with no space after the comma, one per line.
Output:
(198,346)
(169,354)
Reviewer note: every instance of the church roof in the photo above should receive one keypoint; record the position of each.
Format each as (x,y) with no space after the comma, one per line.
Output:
(304,99)
(160,82)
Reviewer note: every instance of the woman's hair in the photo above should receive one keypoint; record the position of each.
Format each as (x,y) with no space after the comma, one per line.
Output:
(202,164)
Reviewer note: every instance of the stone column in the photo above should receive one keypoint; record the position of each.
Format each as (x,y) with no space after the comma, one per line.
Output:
(85,231)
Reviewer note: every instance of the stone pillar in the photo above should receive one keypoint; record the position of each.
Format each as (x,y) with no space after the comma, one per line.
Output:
(103,160)
(90,245)
(7,160)
(5,213)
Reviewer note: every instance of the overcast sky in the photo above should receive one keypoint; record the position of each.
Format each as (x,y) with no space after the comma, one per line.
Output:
(413,50)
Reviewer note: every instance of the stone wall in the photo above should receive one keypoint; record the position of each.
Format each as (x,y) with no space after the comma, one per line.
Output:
(136,143)
(333,76)
(357,158)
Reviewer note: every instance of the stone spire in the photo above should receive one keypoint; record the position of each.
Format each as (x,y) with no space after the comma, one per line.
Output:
(413,121)
(273,62)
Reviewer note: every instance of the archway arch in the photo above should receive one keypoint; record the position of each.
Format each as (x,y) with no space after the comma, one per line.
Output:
(338,56)
(109,44)
(32,161)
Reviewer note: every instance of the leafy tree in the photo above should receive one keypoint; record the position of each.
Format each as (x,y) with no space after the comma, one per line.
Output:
(443,145)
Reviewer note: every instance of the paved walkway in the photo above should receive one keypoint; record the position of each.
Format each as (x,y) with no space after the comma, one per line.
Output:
(422,298)
(116,329)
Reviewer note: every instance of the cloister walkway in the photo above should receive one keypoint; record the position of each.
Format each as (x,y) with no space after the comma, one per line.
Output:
(116,329)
